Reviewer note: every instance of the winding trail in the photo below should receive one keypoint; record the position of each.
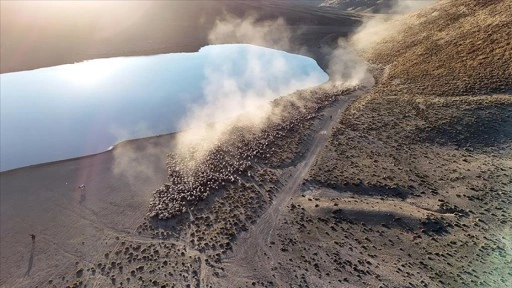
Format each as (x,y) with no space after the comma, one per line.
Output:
(251,257)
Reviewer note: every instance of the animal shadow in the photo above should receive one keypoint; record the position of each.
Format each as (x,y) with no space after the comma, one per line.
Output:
(31,259)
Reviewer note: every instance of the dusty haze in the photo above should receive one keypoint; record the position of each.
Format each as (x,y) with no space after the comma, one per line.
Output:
(224,94)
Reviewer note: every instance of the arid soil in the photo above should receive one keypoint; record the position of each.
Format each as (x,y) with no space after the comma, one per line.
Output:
(404,184)
(428,153)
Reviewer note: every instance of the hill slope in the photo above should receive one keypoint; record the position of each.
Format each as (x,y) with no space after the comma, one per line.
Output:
(435,132)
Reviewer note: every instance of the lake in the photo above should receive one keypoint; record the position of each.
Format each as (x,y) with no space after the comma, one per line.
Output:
(78,109)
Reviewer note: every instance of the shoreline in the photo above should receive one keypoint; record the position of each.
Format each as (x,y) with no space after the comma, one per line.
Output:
(110,149)
(134,141)
(113,145)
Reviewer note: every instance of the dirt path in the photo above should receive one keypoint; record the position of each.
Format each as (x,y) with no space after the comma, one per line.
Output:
(252,257)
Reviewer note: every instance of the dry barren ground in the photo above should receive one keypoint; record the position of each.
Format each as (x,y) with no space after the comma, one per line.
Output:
(433,138)
(73,226)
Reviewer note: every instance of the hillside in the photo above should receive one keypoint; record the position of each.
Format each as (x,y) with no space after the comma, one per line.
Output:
(436,133)
(463,49)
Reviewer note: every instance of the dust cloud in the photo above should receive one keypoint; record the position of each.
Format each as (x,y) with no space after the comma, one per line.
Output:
(230,29)
(381,26)
(243,99)
(238,94)
(141,163)
(251,92)
(346,68)
(409,6)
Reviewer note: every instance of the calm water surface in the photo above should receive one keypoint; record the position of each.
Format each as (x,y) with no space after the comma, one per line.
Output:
(73,110)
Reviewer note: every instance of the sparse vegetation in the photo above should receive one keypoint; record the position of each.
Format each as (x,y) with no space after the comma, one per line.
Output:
(412,189)
(438,126)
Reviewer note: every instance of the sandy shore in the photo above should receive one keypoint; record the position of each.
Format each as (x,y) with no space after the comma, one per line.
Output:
(70,223)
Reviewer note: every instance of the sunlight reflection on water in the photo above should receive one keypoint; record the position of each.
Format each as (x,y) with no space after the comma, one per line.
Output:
(73,110)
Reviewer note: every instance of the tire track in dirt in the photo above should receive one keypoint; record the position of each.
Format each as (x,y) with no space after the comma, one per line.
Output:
(251,257)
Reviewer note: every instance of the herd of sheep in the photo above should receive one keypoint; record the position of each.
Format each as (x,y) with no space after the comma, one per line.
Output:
(192,178)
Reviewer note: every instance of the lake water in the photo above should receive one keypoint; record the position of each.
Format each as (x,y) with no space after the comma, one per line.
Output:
(73,110)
